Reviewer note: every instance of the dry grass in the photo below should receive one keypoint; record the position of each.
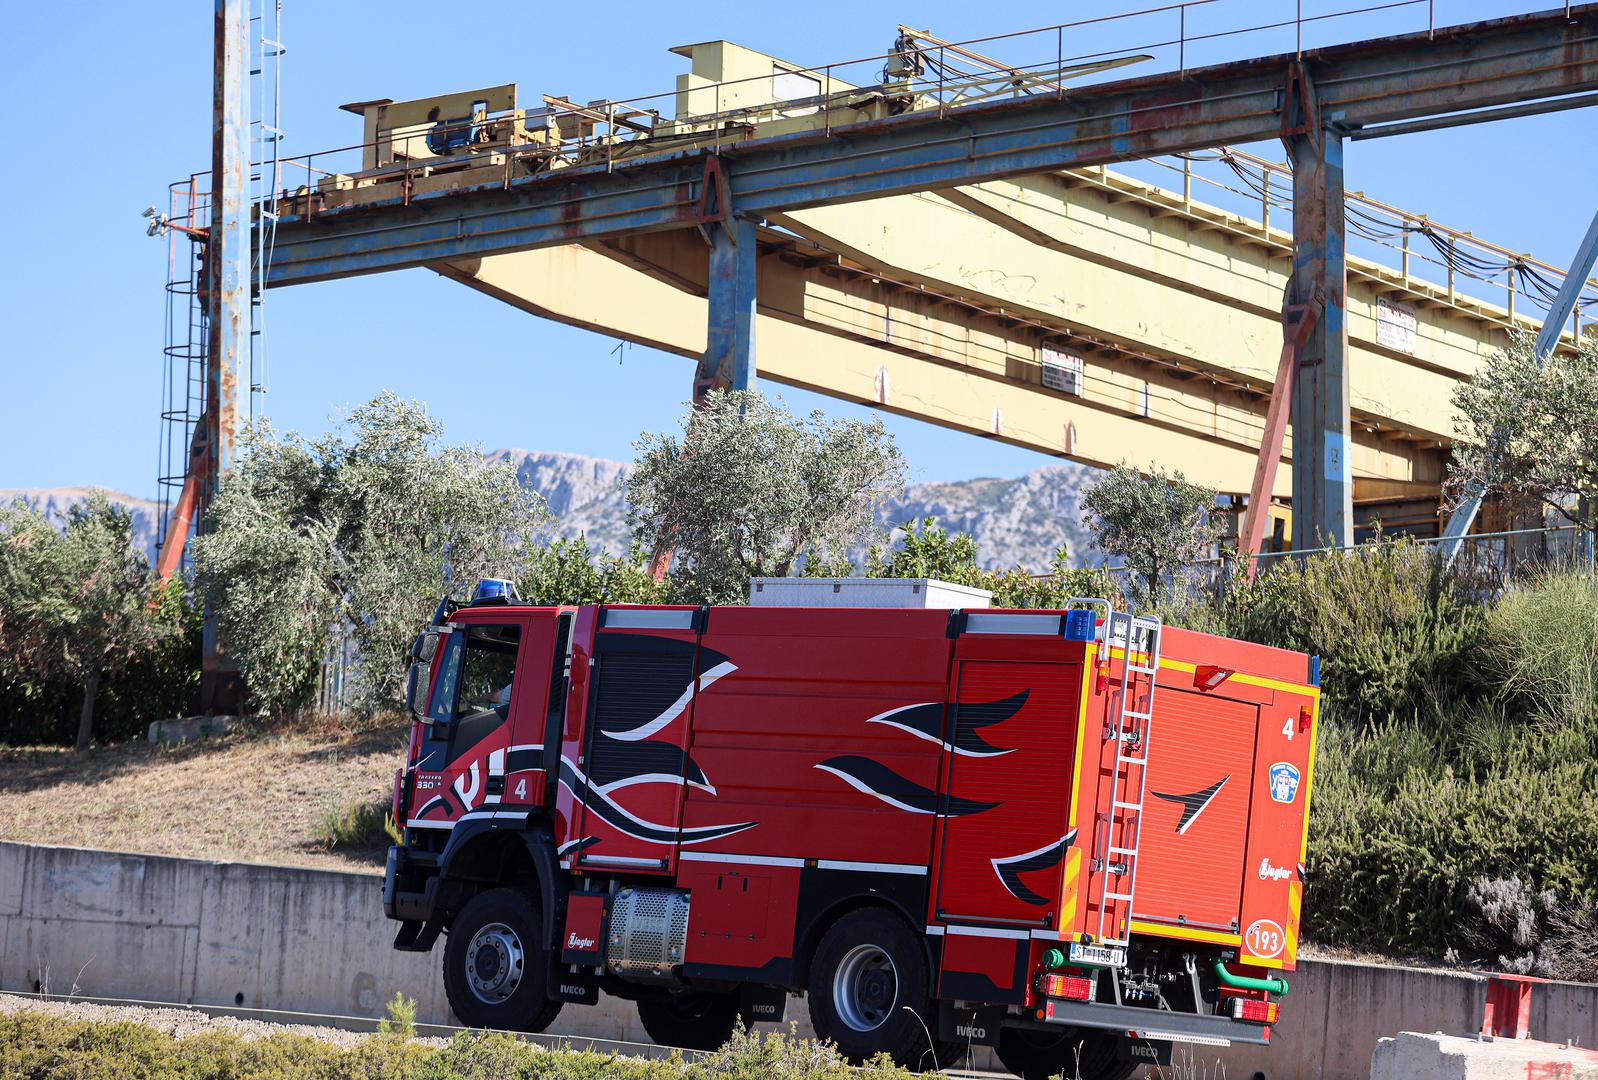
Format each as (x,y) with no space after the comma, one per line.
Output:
(260,795)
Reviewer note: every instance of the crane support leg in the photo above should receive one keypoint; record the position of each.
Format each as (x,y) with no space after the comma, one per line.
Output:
(1323,486)
(228,273)
(1299,321)
(729,360)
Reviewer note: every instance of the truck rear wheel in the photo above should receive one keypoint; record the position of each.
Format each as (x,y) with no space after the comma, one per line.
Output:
(496,969)
(870,991)
(1038,1055)
(693,1020)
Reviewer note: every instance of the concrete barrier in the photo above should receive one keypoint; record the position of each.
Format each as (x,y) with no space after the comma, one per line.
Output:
(156,928)
(1410,1056)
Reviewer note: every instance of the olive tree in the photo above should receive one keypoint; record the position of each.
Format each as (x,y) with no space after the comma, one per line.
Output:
(1528,430)
(78,603)
(358,532)
(747,489)
(1155,523)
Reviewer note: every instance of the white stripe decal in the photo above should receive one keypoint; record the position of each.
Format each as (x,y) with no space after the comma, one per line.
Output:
(418,823)
(986,931)
(935,931)
(752,860)
(496,762)
(643,731)
(788,860)
(859,786)
(685,836)
(468,797)
(872,867)
(882,718)
(651,778)
(675,709)
(726,667)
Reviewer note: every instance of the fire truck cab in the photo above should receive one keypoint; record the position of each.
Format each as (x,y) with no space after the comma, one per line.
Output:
(1075,836)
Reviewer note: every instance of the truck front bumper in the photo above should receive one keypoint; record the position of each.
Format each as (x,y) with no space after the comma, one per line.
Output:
(410,884)
(1157,1024)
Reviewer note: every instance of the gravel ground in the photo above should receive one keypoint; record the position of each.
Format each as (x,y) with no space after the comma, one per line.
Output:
(183,1022)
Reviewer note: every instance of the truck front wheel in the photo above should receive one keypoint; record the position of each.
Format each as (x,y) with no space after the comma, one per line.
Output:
(870,991)
(1038,1055)
(693,1020)
(495,965)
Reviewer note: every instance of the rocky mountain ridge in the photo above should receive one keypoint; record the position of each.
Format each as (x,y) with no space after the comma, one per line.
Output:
(1017,521)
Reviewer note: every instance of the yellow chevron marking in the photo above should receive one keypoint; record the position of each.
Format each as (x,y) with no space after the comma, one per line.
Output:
(1295,897)
(1070,889)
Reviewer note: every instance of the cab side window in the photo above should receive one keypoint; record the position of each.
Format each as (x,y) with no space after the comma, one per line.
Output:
(488,671)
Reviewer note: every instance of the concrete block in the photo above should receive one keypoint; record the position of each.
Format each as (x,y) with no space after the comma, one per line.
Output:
(1412,1056)
(106,886)
(13,872)
(102,959)
(186,728)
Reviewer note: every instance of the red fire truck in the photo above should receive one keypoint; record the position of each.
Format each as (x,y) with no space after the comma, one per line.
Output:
(1076,836)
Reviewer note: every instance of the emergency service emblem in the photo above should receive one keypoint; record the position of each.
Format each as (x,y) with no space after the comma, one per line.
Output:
(1284,782)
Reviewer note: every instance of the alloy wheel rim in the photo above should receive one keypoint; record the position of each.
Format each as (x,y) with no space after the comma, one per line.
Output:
(495,961)
(866,988)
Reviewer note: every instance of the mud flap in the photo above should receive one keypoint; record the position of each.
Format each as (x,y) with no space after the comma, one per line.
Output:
(969,1025)
(1136,1051)
(575,985)
(759,1004)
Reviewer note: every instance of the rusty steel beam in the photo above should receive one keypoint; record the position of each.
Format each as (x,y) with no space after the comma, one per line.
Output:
(729,359)
(1385,80)
(228,304)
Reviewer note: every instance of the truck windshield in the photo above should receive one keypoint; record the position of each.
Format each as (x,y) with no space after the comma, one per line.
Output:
(441,706)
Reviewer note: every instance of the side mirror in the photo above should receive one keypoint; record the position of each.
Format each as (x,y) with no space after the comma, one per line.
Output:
(416,690)
(425,647)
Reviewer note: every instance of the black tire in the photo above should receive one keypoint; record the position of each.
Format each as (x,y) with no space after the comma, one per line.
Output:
(871,992)
(1073,1052)
(496,969)
(693,1020)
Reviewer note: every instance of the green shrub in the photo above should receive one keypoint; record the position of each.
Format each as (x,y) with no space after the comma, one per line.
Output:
(1408,814)
(1541,643)
(400,1017)
(361,823)
(37,1045)
(1394,628)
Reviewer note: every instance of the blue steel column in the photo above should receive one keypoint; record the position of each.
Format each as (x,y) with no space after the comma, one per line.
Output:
(228,299)
(1323,486)
(729,360)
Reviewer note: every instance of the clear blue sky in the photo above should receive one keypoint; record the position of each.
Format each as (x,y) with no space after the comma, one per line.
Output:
(108,103)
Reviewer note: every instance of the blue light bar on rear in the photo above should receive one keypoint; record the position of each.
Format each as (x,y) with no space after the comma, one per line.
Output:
(1079,625)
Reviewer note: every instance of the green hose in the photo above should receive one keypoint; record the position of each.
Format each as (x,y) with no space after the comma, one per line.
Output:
(1277,986)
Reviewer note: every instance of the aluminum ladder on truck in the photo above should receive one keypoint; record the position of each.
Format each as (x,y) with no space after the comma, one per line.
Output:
(1137,637)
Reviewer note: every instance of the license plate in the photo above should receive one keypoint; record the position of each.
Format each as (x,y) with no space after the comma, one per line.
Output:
(1098,956)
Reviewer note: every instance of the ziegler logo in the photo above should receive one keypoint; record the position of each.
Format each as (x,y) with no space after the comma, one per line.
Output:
(1273,873)
(575,942)
(970,1031)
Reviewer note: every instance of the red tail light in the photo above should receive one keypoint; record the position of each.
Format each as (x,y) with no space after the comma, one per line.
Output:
(1072,987)
(1260,1012)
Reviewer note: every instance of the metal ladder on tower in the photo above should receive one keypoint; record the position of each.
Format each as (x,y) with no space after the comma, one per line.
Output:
(1138,639)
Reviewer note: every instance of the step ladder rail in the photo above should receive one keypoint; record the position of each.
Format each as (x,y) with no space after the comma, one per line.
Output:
(1137,637)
